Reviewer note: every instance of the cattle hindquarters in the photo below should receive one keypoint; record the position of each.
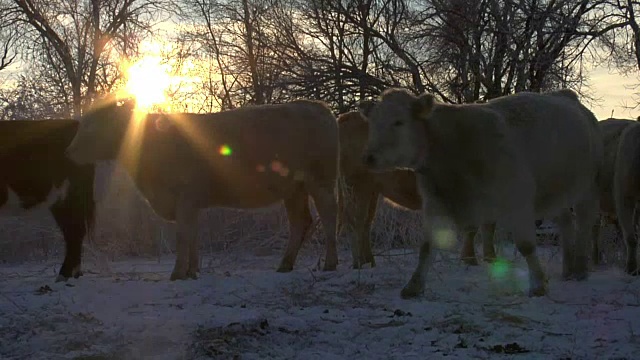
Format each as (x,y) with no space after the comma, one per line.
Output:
(626,189)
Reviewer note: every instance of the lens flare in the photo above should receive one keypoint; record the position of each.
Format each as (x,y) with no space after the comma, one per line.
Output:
(444,238)
(499,269)
(148,80)
(225,150)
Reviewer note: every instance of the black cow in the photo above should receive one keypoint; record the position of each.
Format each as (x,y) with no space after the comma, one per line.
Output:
(37,174)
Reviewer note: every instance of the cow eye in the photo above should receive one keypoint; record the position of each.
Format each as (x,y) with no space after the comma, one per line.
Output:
(397,123)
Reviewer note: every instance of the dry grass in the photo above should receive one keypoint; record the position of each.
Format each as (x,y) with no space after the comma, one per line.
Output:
(126,226)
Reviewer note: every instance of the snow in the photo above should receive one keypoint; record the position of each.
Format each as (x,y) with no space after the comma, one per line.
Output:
(241,308)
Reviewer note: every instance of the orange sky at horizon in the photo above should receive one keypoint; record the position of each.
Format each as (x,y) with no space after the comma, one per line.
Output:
(617,94)
(612,91)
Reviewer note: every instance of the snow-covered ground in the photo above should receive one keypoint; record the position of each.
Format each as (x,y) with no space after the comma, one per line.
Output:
(240,308)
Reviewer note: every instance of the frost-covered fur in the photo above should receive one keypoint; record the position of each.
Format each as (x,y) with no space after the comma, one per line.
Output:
(360,189)
(512,160)
(249,157)
(621,182)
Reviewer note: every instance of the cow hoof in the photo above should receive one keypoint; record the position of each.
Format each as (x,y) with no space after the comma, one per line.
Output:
(61,278)
(575,275)
(413,289)
(330,267)
(77,273)
(360,267)
(410,292)
(581,276)
(472,261)
(360,264)
(192,275)
(285,268)
(567,274)
(178,276)
(490,260)
(538,291)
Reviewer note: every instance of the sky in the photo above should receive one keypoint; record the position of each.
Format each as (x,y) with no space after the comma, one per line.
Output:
(616,93)
(612,91)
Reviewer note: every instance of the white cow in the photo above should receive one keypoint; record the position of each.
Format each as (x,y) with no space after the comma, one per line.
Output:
(512,160)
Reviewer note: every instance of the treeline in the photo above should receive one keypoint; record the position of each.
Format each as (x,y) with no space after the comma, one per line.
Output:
(235,52)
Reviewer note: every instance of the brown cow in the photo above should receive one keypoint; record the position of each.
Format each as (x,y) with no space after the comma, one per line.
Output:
(511,160)
(246,158)
(621,183)
(360,189)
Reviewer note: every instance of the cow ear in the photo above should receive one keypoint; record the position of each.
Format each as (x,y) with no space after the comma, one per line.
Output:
(162,123)
(422,106)
(365,107)
(127,103)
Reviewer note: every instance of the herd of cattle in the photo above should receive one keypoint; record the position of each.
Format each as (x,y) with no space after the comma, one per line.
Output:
(508,161)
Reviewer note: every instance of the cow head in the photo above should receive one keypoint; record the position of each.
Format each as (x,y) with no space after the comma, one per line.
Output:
(101,132)
(353,131)
(396,130)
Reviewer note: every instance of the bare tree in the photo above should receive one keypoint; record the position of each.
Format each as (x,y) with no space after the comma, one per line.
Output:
(331,50)
(75,37)
(340,51)
(233,35)
(8,38)
(619,34)
(462,50)
(28,97)
(500,47)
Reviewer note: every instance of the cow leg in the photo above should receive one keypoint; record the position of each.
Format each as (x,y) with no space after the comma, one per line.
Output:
(488,236)
(340,212)
(300,220)
(325,199)
(194,257)
(636,218)
(415,286)
(367,253)
(468,254)
(431,225)
(625,212)
(73,228)
(186,265)
(567,235)
(365,205)
(595,241)
(522,226)
(586,219)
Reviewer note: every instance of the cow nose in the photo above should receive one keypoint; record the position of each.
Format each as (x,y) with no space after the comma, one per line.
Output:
(368,159)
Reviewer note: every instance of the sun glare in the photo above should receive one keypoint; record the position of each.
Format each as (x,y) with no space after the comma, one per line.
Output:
(148,80)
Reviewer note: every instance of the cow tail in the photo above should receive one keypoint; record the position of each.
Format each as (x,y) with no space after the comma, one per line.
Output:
(84,197)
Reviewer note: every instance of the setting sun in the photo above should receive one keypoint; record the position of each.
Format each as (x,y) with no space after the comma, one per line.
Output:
(148,80)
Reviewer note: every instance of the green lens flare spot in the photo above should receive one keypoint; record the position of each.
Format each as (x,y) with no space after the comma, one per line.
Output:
(499,269)
(225,150)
